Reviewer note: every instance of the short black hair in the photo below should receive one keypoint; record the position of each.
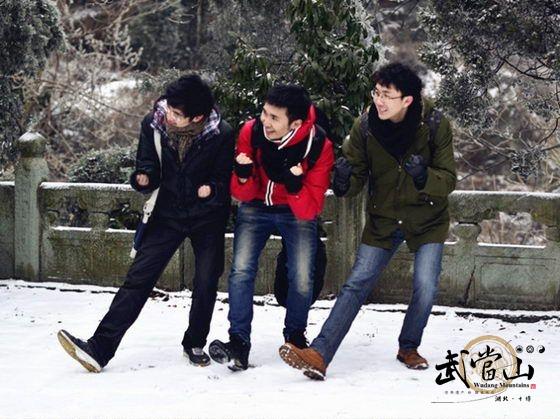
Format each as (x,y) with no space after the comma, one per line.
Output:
(191,95)
(401,76)
(292,97)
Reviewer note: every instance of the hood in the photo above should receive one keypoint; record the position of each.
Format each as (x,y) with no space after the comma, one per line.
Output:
(302,133)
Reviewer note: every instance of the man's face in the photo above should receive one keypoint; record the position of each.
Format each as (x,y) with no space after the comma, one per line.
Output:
(275,121)
(176,118)
(390,103)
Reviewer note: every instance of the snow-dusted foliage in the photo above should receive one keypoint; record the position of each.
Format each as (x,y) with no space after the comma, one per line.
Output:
(333,50)
(111,165)
(29,32)
(86,99)
(500,62)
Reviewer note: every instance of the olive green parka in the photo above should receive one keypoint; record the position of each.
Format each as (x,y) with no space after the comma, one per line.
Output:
(393,200)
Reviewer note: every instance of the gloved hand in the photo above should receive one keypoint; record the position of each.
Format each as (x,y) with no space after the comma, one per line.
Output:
(243,166)
(293,179)
(342,173)
(143,181)
(416,167)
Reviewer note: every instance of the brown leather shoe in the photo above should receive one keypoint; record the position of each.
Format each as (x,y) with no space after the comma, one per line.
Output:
(412,359)
(308,360)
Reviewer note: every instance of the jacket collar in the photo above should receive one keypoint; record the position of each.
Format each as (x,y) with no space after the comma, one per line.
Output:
(211,125)
(305,131)
(422,135)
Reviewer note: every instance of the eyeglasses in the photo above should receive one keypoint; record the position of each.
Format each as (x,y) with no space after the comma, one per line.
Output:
(376,94)
(175,114)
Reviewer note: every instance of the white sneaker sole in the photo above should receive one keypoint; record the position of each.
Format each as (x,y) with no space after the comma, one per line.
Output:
(75,352)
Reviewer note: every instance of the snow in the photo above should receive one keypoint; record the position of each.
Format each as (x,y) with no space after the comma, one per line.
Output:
(65,228)
(513,194)
(112,90)
(116,92)
(150,378)
(67,186)
(432,82)
(512,246)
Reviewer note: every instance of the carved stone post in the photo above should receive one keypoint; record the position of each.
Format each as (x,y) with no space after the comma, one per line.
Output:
(346,236)
(31,170)
(465,260)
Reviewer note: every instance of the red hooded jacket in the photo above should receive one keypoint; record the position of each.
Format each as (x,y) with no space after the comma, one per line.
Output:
(305,204)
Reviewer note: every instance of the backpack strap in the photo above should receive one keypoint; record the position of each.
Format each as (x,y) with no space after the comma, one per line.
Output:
(316,147)
(151,202)
(364,127)
(433,119)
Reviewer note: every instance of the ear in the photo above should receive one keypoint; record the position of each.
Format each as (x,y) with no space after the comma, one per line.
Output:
(408,101)
(296,123)
(198,118)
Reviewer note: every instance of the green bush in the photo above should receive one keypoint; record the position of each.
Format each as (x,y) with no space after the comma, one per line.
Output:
(334,53)
(113,165)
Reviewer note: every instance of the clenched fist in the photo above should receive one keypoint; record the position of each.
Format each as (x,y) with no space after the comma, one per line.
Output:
(204,191)
(142,180)
(243,158)
(296,170)
(243,166)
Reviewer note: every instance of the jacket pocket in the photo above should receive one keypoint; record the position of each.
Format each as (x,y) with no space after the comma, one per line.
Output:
(425,199)
(433,201)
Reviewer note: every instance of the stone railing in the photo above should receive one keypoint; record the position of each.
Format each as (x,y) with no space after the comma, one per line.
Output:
(37,243)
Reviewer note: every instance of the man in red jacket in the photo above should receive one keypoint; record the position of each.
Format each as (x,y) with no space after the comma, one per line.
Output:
(282,170)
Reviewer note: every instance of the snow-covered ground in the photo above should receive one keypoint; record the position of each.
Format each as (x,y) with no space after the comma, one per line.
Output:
(150,378)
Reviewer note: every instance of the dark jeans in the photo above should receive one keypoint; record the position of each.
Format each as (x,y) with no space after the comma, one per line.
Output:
(370,262)
(159,243)
(253,227)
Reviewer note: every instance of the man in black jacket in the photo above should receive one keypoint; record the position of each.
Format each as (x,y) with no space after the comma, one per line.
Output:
(193,201)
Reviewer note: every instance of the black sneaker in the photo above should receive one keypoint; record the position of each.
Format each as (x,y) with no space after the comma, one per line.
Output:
(297,339)
(79,350)
(235,352)
(197,356)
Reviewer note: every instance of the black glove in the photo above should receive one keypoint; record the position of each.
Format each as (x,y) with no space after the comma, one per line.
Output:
(416,167)
(292,182)
(342,173)
(243,171)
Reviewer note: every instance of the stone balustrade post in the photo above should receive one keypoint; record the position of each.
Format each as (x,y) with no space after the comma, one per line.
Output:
(346,237)
(465,260)
(31,170)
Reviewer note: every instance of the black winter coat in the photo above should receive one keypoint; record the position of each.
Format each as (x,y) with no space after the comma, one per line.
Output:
(209,161)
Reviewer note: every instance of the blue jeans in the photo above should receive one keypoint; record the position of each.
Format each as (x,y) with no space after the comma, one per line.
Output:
(370,262)
(253,227)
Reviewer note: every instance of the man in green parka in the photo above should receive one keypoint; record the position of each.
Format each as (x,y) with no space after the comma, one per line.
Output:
(403,149)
